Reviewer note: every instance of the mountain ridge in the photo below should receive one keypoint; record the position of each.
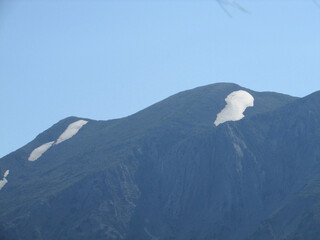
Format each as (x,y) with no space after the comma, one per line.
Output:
(166,171)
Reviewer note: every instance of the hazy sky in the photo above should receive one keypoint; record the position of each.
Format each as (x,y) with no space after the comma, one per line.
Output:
(109,59)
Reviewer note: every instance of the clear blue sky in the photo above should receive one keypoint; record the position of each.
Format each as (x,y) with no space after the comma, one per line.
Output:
(109,59)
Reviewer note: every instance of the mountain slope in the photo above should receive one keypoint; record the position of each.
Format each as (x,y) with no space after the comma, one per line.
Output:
(166,172)
(298,218)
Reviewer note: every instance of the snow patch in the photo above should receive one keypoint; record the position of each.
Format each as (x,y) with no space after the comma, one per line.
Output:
(6,173)
(71,130)
(237,102)
(36,153)
(4,181)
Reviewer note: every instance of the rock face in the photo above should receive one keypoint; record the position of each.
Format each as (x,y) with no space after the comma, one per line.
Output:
(167,172)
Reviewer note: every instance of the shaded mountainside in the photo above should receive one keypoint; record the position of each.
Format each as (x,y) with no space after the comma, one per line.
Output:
(299,218)
(167,172)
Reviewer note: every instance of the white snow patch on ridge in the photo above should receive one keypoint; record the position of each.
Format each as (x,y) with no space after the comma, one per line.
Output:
(6,173)
(71,130)
(237,102)
(36,153)
(4,181)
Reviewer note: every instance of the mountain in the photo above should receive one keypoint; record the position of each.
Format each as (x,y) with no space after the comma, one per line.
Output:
(169,172)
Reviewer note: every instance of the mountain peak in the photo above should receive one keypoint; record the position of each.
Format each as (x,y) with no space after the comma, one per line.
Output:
(165,171)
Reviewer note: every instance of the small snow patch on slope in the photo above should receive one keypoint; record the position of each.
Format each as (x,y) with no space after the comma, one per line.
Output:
(36,153)
(6,173)
(71,130)
(4,181)
(237,102)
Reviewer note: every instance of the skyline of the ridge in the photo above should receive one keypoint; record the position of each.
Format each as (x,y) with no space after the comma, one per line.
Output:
(109,59)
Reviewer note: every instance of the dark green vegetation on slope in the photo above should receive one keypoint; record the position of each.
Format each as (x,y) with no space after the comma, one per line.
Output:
(167,172)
